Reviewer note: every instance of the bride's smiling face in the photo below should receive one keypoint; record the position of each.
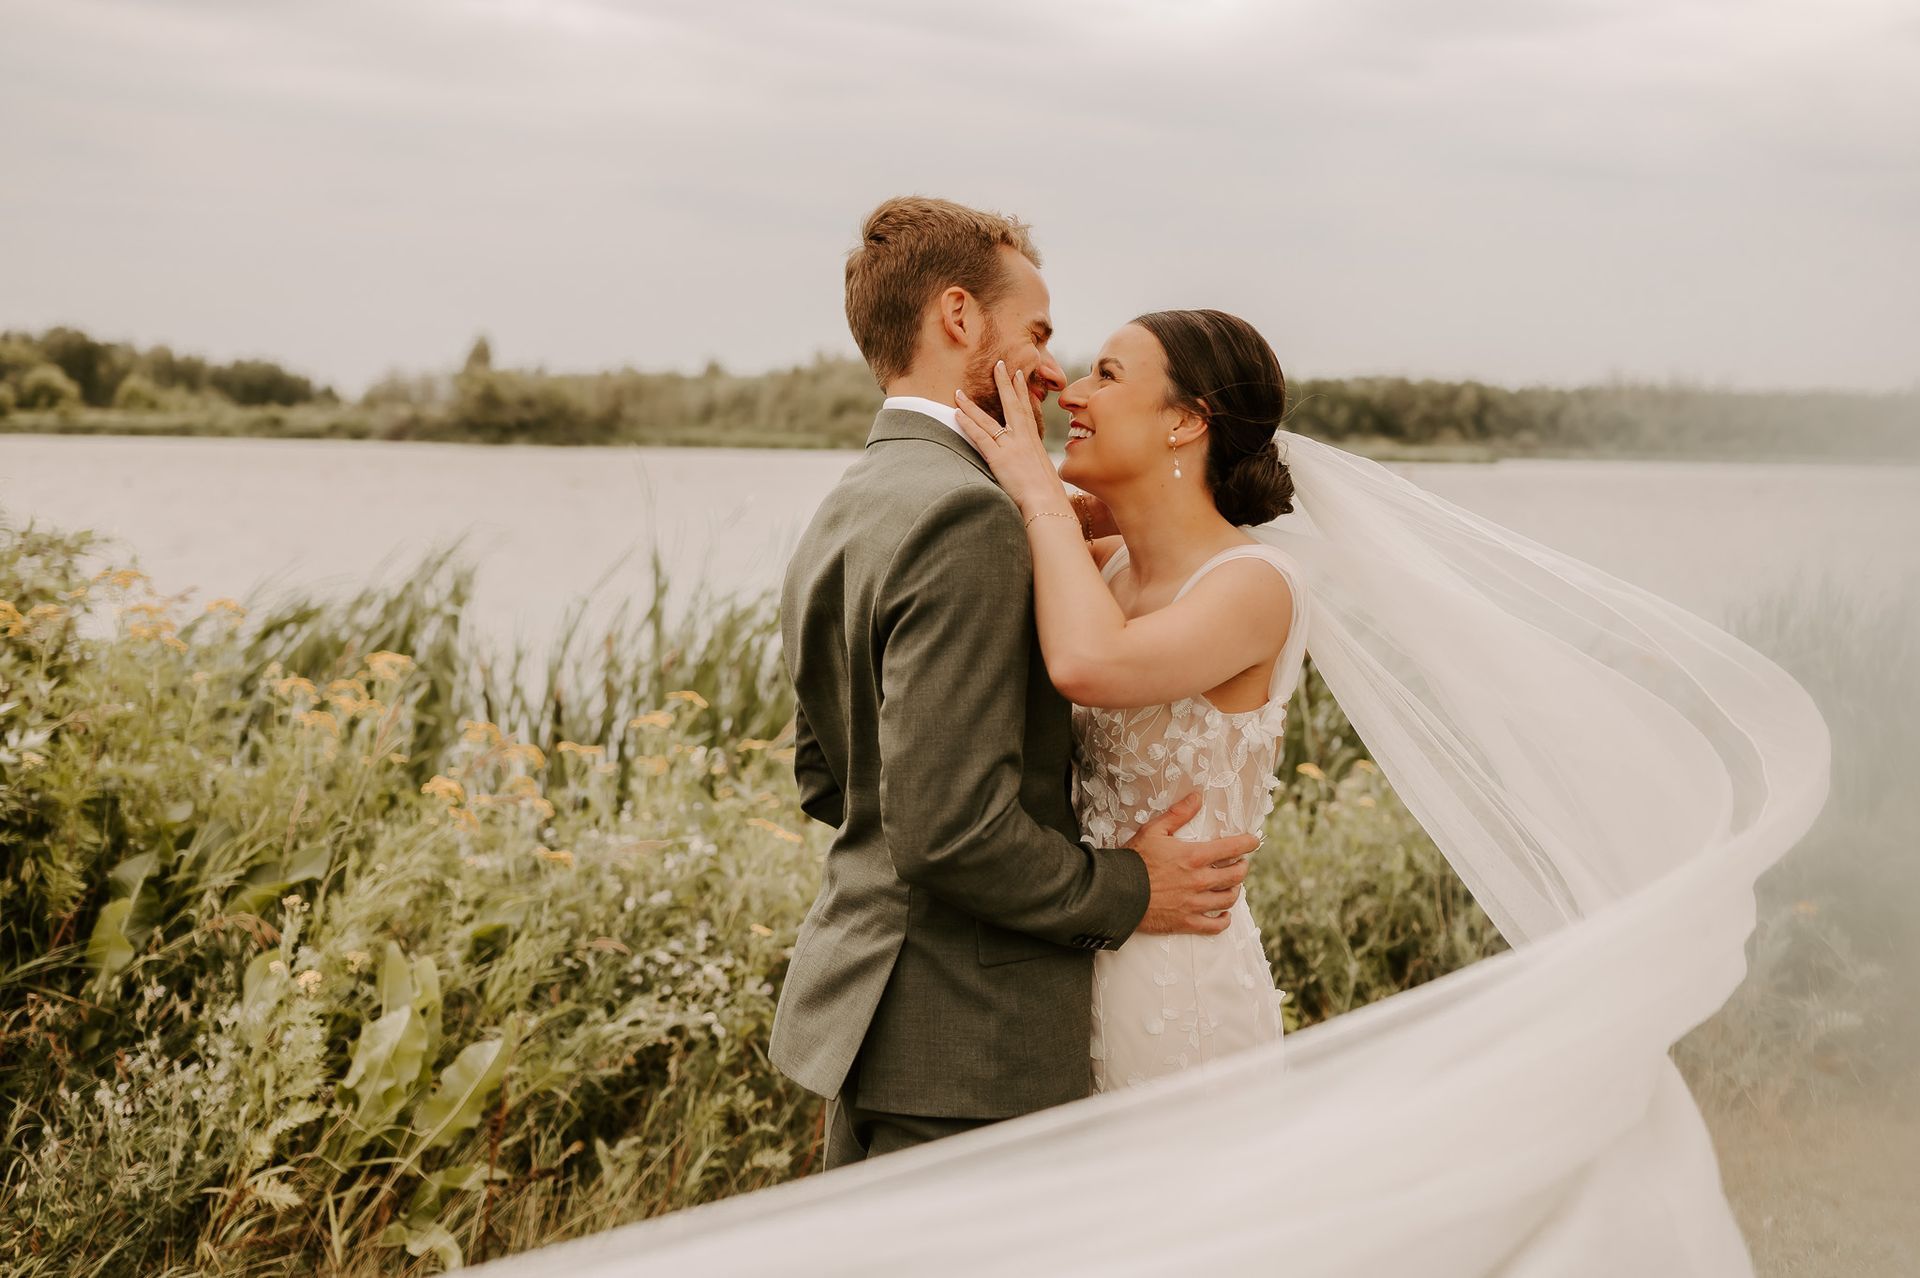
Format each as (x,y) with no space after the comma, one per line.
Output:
(1120,414)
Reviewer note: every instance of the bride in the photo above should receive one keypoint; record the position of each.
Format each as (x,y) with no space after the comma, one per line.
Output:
(1179,641)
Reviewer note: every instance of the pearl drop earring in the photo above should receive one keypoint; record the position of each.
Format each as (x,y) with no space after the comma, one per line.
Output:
(1176,455)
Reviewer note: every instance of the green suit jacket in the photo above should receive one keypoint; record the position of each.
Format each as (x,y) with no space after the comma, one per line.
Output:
(951,947)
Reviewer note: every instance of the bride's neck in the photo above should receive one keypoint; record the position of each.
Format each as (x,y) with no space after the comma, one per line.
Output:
(1170,528)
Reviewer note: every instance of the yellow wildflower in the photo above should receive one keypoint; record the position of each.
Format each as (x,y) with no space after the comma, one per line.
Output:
(759,929)
(174,642)
(652,764)
(445,788)
(589,751)
(778,831)
(292,684)
(466,819)
(8,613)
(1311,770)
(691,698)
(396,757)
(749,744)
(653,719)
(535,757)
(320,719)
(480,730)
(230,607)
(1364,765)
(390,667)
(541,806)
(559,856)
(307,980)
(521,787)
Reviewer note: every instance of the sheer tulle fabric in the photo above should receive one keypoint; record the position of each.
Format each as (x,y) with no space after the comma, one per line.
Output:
(1607,772)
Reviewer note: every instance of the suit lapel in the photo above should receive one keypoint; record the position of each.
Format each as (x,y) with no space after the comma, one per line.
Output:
(904,423)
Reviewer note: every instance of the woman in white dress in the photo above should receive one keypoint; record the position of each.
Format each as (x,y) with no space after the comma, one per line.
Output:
(1179,640)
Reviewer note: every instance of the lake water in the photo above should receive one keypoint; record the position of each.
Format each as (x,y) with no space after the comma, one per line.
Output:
(545,526)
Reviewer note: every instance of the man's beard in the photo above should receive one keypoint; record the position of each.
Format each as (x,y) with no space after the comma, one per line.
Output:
(978,381)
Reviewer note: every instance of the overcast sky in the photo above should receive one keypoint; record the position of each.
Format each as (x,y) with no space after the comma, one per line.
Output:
(1515,190)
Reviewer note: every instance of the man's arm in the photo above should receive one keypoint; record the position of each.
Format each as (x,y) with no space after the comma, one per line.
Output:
(954,638)
(820,794)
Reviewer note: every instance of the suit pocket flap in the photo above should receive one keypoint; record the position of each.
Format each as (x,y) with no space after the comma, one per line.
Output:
(1004,945)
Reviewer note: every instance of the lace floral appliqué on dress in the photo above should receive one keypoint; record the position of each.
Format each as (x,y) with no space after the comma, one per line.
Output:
(1162,1003)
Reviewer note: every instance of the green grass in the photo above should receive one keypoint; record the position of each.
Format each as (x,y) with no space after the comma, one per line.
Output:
(314,956)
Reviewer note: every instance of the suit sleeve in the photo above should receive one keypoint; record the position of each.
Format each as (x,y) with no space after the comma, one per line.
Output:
(954,623)
(820,794)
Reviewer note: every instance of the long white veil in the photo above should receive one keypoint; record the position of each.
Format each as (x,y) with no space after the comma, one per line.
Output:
(1607,772)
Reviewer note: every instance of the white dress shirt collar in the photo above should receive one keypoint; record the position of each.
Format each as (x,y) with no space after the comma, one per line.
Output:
(946,414)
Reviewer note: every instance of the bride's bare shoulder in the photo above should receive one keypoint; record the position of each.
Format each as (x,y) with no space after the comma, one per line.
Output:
(1104,547)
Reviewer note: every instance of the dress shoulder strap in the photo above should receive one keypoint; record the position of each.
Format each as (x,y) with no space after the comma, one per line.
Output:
(1115,562)
(1261,551)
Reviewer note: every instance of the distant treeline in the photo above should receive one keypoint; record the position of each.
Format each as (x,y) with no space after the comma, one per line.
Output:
(64,381)
(65,371)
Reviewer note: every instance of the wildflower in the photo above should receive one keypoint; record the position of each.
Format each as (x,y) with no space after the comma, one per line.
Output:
(389,667)
(293,903)
(759,929)
(273,671)
(559,856)
(174,642)
(228,607)
(521,787)
(535,757)
(479,730)
(33,758)
(749,744)
(587,751)
(1311,770)
(445,788)
(357,959)
(8,613)
(346,690)
(693,699)
(307,980)
(1364,765)
(396,757)
(292,684)
(778,831)
(465,819)
(653,719)
(320,719)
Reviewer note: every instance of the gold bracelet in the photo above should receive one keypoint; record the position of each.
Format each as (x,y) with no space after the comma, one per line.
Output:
(1057,514)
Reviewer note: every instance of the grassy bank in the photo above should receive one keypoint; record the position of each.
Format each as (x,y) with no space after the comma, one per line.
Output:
(324,947)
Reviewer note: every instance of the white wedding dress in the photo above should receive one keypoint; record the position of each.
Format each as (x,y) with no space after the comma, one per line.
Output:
(1163,1003)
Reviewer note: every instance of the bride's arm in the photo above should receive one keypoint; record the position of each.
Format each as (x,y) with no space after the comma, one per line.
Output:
(1234,618)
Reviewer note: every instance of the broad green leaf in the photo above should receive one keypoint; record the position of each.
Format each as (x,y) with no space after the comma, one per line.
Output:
(465,1086)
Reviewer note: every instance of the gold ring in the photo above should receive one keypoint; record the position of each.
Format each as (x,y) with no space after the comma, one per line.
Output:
(1003,430)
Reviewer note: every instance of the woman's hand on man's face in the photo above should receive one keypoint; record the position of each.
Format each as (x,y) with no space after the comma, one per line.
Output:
(1015,449)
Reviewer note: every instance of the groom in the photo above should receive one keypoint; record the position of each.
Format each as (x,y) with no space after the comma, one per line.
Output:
(943,979)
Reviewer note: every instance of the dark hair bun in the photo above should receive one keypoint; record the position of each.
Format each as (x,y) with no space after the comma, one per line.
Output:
(1221,368)
(1255,488)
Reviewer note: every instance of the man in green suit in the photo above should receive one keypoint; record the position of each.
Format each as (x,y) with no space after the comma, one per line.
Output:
(943,979)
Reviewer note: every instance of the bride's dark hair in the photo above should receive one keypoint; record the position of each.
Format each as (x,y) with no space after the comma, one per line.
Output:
(1220,367)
